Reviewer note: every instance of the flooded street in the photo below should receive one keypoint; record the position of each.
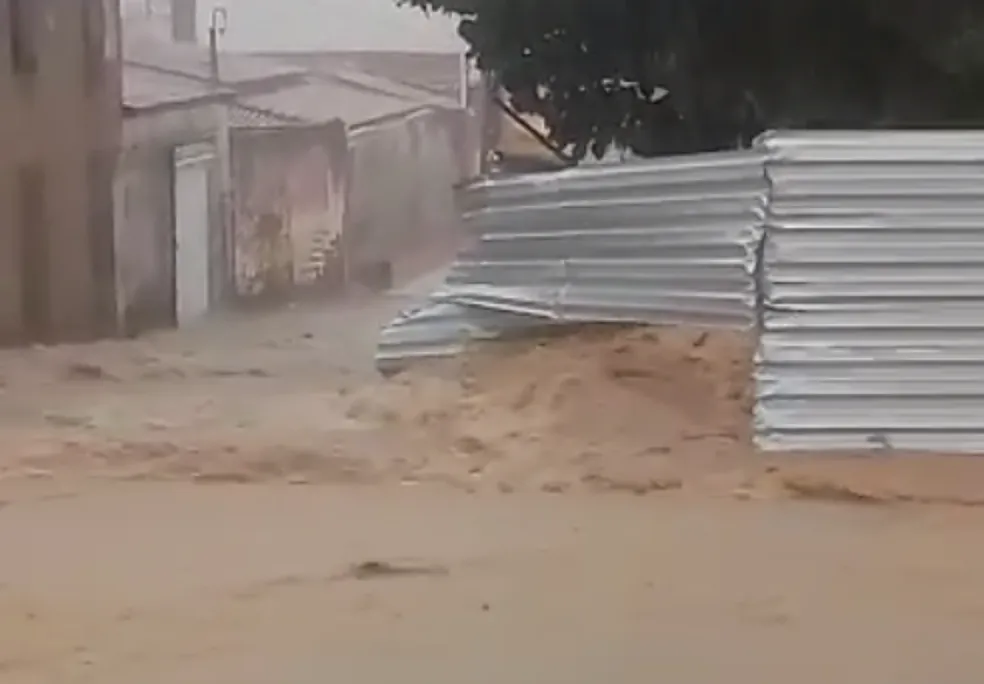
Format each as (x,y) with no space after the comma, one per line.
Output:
(623,258)
(175,583)
(247,503)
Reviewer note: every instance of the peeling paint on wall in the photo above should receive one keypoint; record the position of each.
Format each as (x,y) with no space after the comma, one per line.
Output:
(290,207)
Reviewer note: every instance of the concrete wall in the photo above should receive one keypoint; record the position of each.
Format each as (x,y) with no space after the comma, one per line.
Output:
(59,132)
(290,187)
(402,200)
(144,210)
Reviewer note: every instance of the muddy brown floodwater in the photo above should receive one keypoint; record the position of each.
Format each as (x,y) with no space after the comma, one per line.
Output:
(171,583)
(248,502)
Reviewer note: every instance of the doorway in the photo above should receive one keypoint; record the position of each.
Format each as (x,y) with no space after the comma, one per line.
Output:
(191,231)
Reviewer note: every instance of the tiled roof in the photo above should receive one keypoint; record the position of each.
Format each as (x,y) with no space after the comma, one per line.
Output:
(242,117)
(146,88)
(358,80)
(193,62)
(319,101)
(274,92)
(435,73)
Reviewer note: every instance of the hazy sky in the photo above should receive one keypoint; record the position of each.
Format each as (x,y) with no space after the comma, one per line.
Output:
(262,25)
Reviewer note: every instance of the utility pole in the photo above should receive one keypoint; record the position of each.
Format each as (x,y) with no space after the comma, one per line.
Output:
(216,28)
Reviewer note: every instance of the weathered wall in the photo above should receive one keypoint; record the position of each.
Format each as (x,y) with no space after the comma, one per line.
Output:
(289,186)
(59,122)
(175,126)
(11,320)
(145,240)
(402,200)
(144,198)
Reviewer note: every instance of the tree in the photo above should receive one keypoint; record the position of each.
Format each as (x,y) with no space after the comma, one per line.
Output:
(661,76)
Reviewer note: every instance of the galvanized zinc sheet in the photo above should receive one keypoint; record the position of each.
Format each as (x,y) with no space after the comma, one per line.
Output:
(668,241)
(873,292)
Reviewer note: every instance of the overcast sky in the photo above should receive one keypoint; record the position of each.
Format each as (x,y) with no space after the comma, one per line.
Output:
(304,25)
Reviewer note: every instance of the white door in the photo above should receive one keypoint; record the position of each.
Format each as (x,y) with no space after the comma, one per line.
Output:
(191,218)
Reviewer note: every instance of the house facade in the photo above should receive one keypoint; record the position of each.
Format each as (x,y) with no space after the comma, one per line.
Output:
(60,127)
(171,200)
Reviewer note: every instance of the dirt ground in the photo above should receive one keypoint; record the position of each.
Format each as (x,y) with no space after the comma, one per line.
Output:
(250,502)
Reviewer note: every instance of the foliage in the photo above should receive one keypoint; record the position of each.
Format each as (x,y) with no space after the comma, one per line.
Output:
(662,76)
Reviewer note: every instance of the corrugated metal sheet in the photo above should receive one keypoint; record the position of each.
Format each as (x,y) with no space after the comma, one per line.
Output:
(668,241)
(440,329)
(873,288)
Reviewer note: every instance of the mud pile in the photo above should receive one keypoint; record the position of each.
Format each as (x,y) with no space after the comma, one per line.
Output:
(622,408)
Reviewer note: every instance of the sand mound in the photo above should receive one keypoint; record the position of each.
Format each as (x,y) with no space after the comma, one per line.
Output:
(605,407)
